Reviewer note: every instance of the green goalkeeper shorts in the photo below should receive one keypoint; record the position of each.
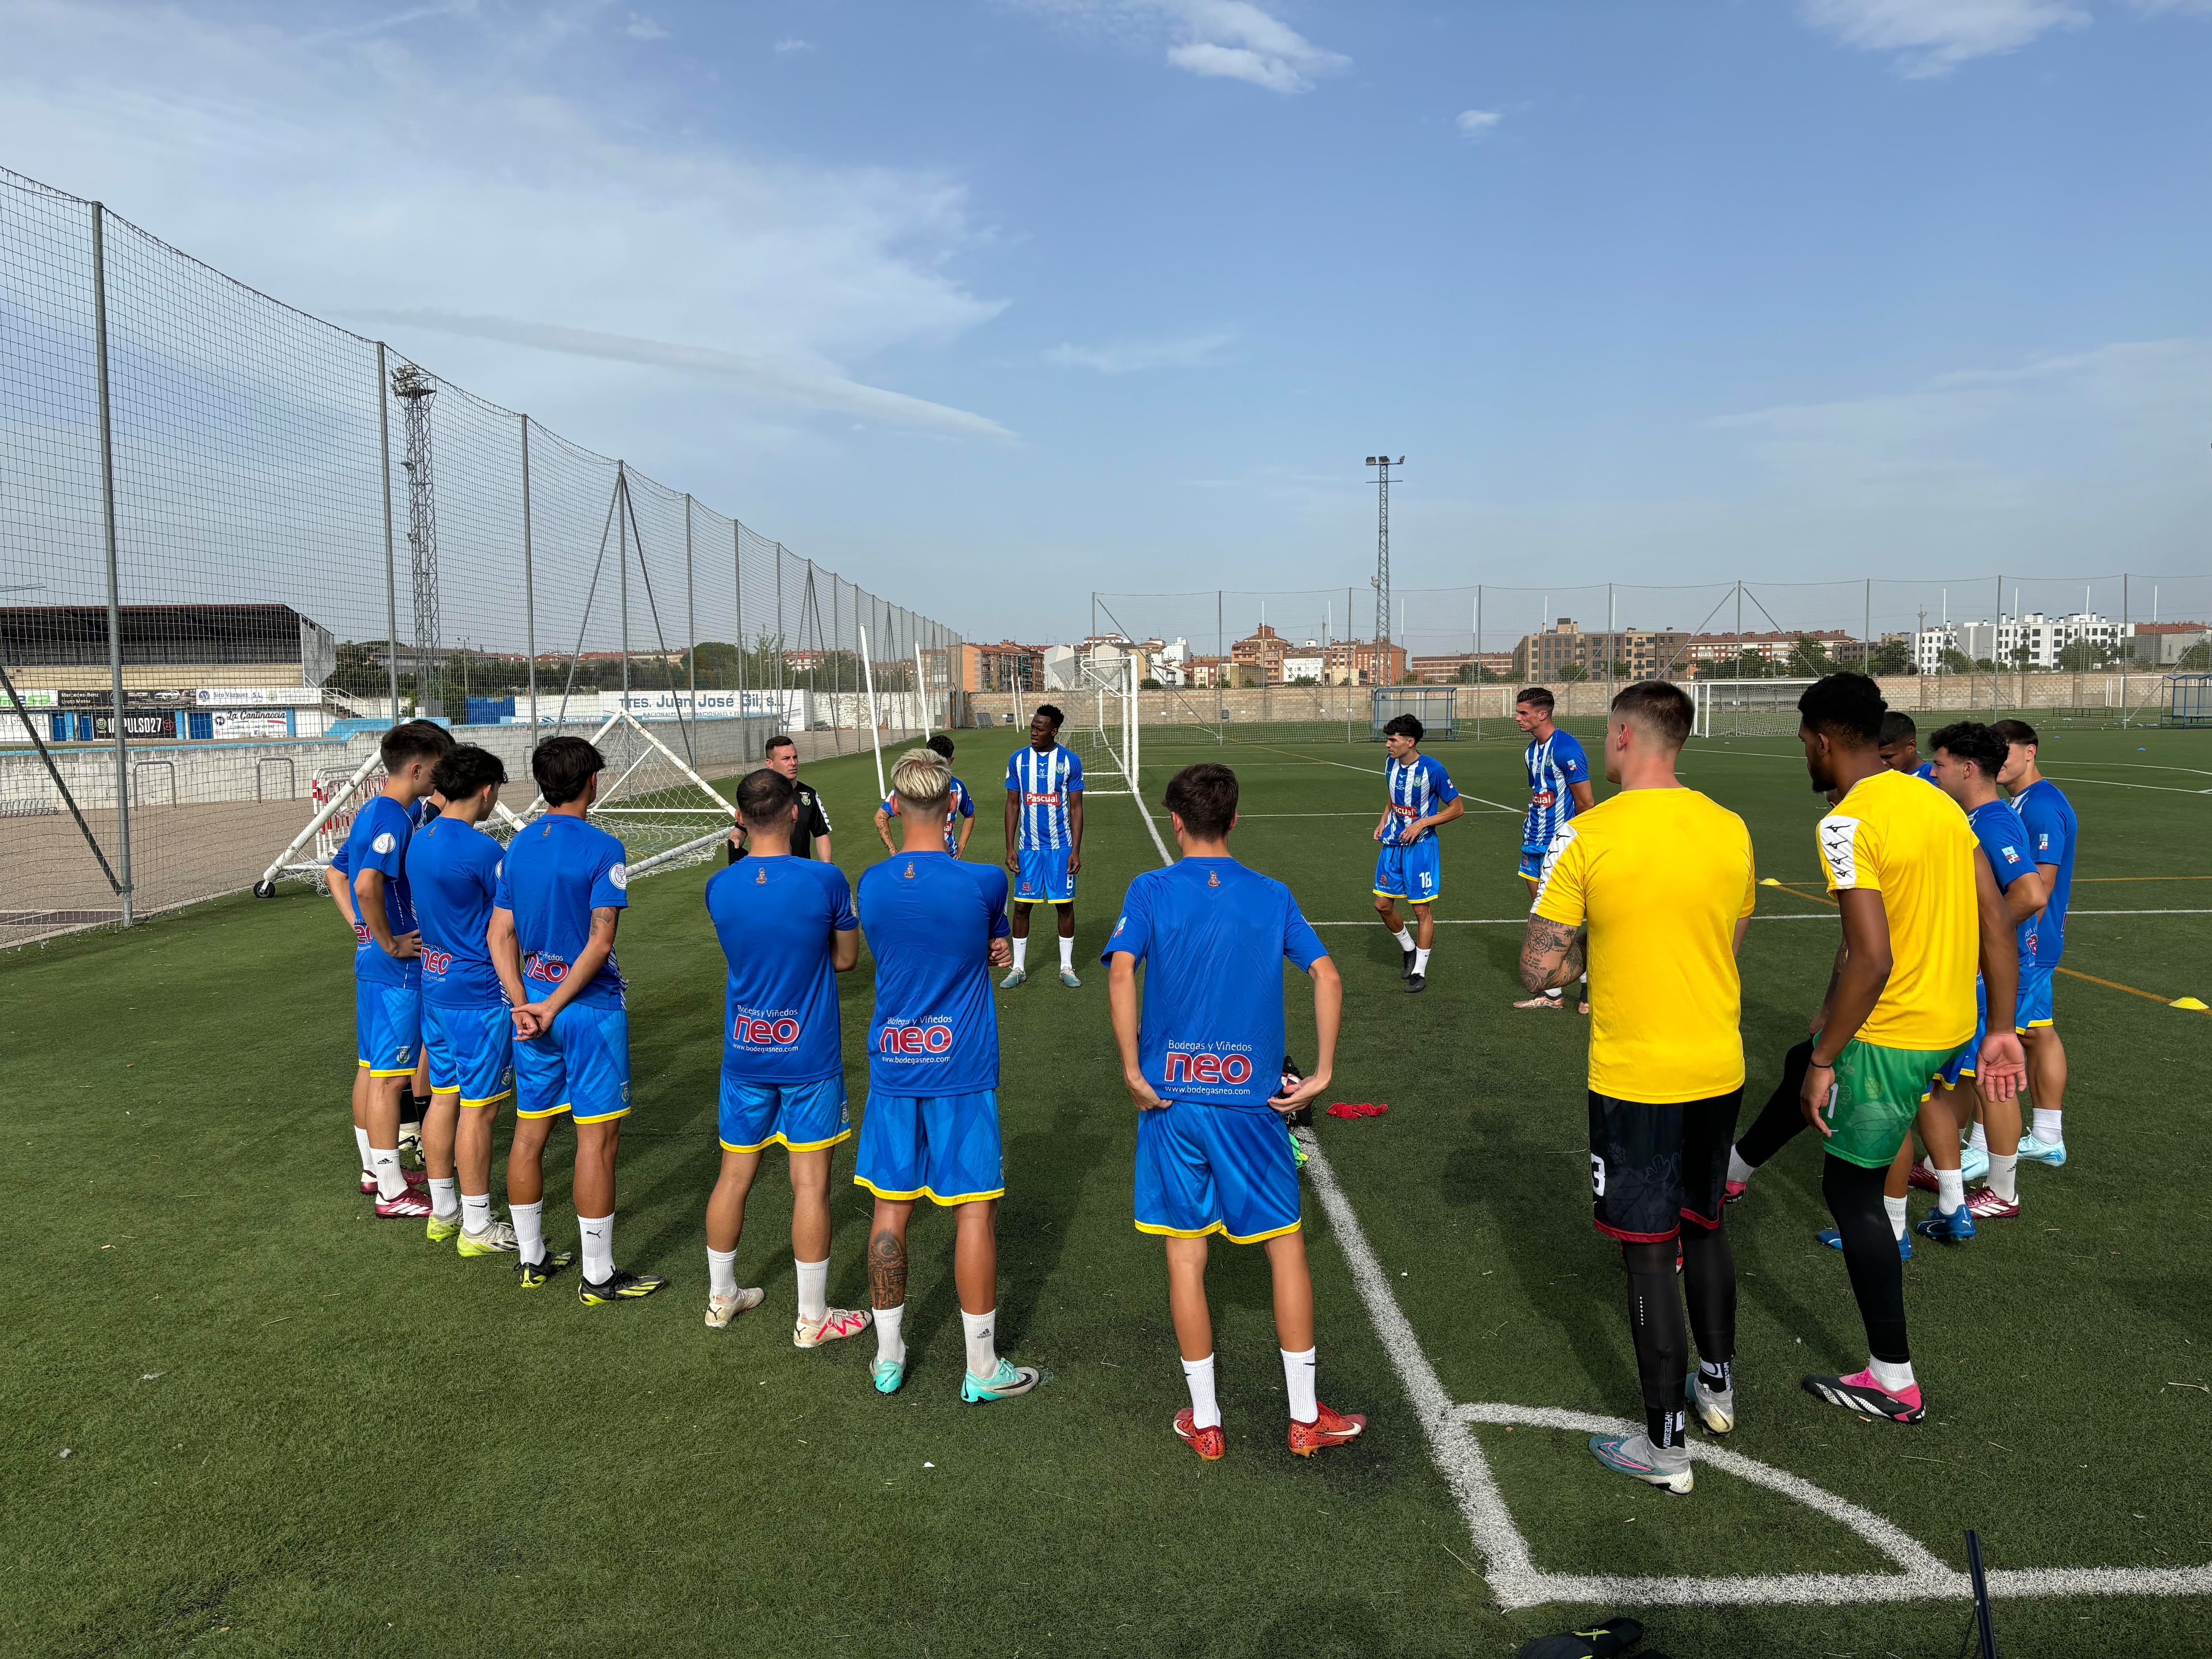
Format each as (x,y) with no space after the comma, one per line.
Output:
(1878,1092)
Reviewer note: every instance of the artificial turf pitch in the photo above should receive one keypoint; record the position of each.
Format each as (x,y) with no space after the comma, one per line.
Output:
(291,1428)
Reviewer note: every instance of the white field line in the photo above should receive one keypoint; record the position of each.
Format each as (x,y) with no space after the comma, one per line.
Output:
(1512,1574)
(1805,915)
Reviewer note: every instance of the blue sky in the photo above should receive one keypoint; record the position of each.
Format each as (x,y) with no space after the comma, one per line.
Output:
(988,303)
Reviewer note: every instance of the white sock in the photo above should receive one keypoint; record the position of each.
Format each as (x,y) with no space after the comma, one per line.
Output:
(598,1233)
(444,1196)
(2004,1176)
(813,1288)
(360,1140)
(1555,993)
(1198,1376)
(1068,954)
(529,1230)
(722,1274)
(1979,1141)
(1420,962)
(1738,1170)
(1298,1377)
(1896,1208)
(1405,938)
(475,1212)
(1896,1378)
(2046,1127)
(384,1166)
(1950,1189)
(891,1335)
(982,1351)
(1021,955)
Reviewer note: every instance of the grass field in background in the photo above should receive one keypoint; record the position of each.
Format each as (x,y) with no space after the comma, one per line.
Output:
(295,1428)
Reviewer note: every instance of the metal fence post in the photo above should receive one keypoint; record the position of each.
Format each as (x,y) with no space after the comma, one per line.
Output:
(390,582)
(621,546)
(737,599)
(690,610)
(529,585)
(125,888)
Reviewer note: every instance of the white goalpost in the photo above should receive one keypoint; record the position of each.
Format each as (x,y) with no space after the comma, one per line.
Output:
(1745,708)
(1102,727)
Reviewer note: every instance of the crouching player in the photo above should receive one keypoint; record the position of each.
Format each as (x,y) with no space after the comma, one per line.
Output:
(936,928)
(468,1013)
(788,927)
(1199,1060)
(562,891)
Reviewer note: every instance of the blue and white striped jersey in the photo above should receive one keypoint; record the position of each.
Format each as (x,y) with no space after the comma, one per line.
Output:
(1043,780)
(1417,787)
(1555,766)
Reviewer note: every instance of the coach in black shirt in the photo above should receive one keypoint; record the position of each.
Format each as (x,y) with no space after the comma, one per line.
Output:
(782,755)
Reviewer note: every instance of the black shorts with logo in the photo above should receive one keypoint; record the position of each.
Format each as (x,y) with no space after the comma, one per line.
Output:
(1651,1166)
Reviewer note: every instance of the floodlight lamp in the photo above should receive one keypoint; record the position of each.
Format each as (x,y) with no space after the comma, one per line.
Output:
(1370,460)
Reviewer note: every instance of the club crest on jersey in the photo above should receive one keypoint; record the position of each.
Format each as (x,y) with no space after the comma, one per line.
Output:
(760,880)
(779,1033)
(1184,1065)
(1213,879)
(383,843)
(909,872)
(935,1038)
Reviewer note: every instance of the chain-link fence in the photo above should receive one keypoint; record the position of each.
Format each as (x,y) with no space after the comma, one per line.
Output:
(1223,666)
(237,541)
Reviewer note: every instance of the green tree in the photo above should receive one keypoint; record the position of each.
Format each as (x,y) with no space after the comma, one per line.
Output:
(1809,658)
(2197,660)
(1956,661)
(1574,673)
(1890,657)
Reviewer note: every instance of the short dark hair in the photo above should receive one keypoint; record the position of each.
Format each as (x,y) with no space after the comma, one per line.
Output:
(1404,726)
(781,740)
(1973,741)
(563,766)
(2017,731)
(1896,726)
(942,744)
(414,740)
(1660,707)
(1204,797)
(1052,715)
(464,773)
(1536,697)
(1845,708)
(764,796)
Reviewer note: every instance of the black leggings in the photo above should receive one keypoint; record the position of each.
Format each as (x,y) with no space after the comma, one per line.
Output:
(1783,1117)
(1854,1195)
(1655,1322)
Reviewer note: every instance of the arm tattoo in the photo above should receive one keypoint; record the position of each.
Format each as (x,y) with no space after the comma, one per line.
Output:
(887,1270)
(1551,954)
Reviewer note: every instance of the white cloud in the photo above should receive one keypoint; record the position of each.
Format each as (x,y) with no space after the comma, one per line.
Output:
(1227,39)
(644,28)
(1934,37)
(1476,122)
(794,44)
(361,177)
(1131,357)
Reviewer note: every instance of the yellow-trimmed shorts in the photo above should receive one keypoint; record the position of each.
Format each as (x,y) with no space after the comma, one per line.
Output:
(802,1117)
(471,1051)
(1227,1169)
(941,1147)
(581,1066)
(388,1022)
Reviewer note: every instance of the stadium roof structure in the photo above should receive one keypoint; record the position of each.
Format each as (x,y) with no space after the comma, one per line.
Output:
(75,635)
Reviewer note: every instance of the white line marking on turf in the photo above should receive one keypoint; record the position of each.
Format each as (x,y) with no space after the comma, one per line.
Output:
(1512,1573)
(1138,796)
(1802,915)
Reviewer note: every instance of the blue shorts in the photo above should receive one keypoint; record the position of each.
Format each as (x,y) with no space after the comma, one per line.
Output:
(1414,873)
(2034,997)
(472,1052)
(1962,1063)
(941,1147)
(581,1065)
(803,1117)
(1044,878)
(1532,863)
(388,1022)
(1226,1170)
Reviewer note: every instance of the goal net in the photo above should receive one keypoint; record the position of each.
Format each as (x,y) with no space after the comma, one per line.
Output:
(664,812)
(1102,727)
(1746,708)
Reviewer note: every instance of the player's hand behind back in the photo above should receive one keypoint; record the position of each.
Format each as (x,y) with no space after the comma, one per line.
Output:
(1140,1092)
(1002,952)
(406,945)
(1306,1091)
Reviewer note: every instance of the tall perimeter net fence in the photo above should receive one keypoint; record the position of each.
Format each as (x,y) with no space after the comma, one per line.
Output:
(237,542)
(1312,665)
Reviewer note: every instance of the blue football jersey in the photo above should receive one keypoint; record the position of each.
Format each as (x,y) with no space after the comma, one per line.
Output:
(1417,787)
(453,869)
(381,830)
(2003,839)
(958,805)
(1041,780)
(930,920)
(1555,765)
(774,917)
(1213,935)
(2052,832)
(557,872)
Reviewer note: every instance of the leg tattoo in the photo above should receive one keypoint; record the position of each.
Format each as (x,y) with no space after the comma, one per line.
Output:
(887,1270)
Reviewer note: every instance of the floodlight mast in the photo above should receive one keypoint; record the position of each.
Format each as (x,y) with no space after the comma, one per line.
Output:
(415,389)
(1382,581)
